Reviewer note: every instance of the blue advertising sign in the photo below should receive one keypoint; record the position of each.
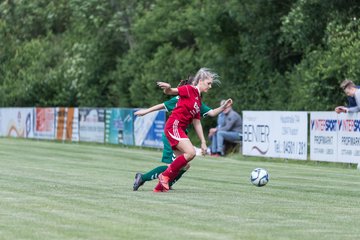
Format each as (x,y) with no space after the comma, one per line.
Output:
(148,129)
(119,126)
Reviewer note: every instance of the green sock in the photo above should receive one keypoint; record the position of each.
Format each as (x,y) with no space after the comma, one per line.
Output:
(153,174)
(182,171)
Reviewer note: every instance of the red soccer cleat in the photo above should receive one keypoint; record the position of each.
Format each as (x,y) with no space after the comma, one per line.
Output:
(164,181)
(159,188)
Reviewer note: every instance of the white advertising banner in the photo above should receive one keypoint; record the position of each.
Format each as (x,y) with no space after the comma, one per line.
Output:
(16,122)
(323,136)
(1,122)
(275,134)
(92,124)
(348,126)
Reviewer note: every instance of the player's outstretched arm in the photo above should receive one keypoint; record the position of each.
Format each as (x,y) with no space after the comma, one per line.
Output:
(199,131)
(143,112)
(167,88)
(217,111)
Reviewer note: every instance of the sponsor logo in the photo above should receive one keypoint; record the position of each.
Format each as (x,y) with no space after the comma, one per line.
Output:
(349,125)
(259,135)
(323,125)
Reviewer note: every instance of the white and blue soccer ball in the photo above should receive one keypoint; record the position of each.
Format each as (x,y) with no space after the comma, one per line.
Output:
(259,177)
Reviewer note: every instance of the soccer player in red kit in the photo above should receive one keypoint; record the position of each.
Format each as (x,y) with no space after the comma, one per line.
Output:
(187,111)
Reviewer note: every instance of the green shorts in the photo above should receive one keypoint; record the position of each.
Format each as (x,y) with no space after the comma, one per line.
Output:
(168,154)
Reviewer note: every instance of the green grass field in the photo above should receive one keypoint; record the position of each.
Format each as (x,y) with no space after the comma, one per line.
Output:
(52,190)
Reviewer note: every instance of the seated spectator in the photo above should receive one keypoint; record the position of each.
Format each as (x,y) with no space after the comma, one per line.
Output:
(229,128)
(353,93)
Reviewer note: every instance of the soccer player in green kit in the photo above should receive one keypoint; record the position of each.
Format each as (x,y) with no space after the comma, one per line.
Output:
(168,155)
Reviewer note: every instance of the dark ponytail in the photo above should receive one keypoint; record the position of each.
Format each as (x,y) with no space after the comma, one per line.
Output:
(187,81)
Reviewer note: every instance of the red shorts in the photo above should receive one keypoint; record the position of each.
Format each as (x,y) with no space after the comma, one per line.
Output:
(174,133)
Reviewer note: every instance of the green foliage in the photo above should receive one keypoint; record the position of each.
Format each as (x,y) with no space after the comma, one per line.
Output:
(26,79)
(59,53)
(283,55)
(316,79)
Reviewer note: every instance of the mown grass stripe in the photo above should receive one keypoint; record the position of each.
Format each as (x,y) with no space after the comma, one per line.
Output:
(53,190)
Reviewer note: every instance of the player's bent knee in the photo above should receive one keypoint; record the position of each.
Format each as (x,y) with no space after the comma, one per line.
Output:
(190,155)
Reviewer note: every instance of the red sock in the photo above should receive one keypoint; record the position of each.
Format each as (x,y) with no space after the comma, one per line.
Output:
(159,187)
(173,170)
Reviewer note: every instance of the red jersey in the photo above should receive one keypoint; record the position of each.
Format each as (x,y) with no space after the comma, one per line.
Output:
(188,106)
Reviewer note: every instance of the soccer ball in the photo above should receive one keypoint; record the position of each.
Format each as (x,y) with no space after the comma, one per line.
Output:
(259,177)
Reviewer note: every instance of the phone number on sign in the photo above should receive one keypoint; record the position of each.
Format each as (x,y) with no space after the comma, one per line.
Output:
(290,147)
